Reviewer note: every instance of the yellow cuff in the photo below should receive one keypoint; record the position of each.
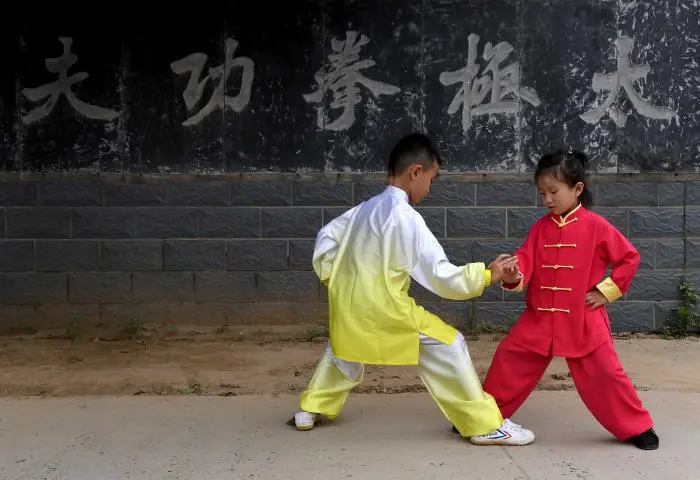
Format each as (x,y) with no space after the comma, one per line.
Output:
(518,288)
(609,289)
(487,278)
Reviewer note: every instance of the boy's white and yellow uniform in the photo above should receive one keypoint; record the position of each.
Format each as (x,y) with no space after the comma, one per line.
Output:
(366,257)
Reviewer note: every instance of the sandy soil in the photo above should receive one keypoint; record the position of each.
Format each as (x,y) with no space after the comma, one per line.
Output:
(222,363)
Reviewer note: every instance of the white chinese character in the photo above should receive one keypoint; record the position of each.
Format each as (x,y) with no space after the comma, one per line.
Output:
(62,86)
(342,80)
(625,77)
(194,64)
(501,83)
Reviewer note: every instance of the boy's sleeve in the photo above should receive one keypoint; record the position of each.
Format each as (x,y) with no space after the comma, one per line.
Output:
(624,258)
(327,243)
(419,252)
(526,257)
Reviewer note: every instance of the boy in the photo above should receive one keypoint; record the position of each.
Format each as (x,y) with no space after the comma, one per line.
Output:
(366,258)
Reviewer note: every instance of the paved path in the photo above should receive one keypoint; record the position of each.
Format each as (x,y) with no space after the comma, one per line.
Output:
(382,437)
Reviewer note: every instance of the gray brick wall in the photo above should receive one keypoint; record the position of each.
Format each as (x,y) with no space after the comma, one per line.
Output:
(237,251)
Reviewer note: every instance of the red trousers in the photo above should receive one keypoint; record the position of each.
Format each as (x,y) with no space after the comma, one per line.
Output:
(599,378)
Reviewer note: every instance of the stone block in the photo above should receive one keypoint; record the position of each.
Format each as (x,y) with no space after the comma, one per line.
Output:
(692,222)
(18,194)
(103,222)
(450,194)
(459,252)
(422,294)
(224,287)
(631,316)
(292,222)
(154,287)
(195,254)
(476,222)
(331,213)
(616,216)
(493,293)
(198,194)
(166,222)
(301,254)
(322,194)
(366,190)
(229,222)
(671,194)
(257,255)
(692,248)
(647,252)
(506,194)
(453,313)
(69,193)
(662,313)
(16,255)
(99,287)
(67,255)
(131,255)
(520,220)
(434,219)
(670,253)
(487,250)
(692,195)
(643,194)
(261,194)
(656,222)
(34,288)
(37,222)
(287,286)
(134,194)
(655,286)
(498,314)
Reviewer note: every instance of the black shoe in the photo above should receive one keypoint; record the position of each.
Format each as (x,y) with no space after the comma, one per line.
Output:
(648,440)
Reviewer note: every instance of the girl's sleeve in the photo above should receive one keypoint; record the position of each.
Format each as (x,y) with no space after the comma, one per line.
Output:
(526,259)
(618,252)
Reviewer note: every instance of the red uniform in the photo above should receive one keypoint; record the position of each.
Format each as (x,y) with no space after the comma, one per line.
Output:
(562,259)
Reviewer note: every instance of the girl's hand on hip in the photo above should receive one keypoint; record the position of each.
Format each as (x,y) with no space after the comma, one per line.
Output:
(595,299)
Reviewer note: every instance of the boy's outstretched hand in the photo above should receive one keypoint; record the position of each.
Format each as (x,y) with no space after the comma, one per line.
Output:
(504,265)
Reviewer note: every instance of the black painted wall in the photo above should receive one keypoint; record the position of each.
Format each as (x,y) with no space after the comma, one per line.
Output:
(127,54)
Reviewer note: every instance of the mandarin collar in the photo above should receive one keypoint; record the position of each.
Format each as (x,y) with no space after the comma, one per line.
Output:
(397,192)
(568,216)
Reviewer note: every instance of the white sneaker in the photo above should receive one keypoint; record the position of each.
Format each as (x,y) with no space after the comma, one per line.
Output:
(304,420)
(509,433)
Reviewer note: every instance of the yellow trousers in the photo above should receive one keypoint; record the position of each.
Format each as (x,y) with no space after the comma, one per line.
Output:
(446,370)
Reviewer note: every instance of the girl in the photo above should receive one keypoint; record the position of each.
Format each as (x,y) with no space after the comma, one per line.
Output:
(563,259)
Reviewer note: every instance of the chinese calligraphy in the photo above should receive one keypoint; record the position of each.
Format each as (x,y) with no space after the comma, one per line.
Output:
(194,64)
(502,83)
(342,80)
(62,86)
(625,77)
(485,88)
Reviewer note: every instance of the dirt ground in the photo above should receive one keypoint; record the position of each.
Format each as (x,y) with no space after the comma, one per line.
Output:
(192,362)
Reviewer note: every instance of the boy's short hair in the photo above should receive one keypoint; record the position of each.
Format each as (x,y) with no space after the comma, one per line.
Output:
(412,149)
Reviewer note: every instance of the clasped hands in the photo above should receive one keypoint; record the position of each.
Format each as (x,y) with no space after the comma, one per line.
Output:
(505,269)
